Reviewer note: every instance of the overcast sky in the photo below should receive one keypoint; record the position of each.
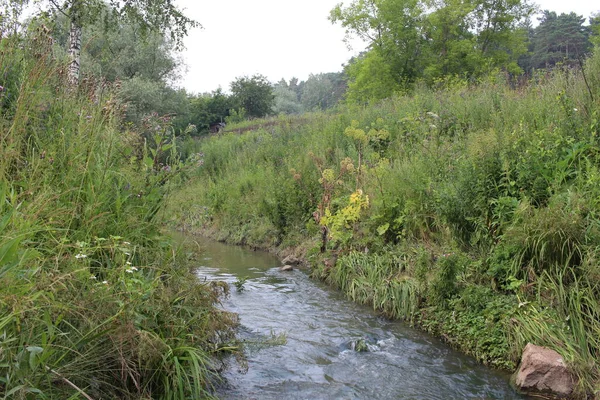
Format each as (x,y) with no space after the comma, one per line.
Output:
(279,39)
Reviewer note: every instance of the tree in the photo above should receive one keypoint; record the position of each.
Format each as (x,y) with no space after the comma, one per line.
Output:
(286,99)
(254,94)
(322,91)
(391,28)
(370,78)
(413,39)
(149,15)
(209,108)
(144,64)
(595,29)
(559,38)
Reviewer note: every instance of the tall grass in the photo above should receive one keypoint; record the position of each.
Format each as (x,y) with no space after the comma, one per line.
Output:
(94,302)
(483,215)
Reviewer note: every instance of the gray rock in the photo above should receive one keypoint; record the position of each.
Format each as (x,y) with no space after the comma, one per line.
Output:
(291,260)
(287,268)
(544,370)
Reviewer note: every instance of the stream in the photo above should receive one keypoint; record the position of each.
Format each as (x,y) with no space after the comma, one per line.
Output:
(301,340)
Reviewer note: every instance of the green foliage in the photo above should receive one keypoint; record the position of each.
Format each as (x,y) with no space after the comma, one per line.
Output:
(412,40)
(254,94)
(370,78)
(147,15)
(144,63)
(478,324)
(322,91)
(210,109)
(443,285)
(559,39)
(94,300)
(341,224)
(239,283)
(286,100)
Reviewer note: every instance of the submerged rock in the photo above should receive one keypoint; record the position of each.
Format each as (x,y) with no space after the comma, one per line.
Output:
(544,370)
(291,260)
(361,345)
(287,268)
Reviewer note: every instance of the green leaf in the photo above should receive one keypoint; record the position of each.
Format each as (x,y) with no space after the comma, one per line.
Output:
(149,162)
(5,218)
(34,351)
(8,255)
(383,229)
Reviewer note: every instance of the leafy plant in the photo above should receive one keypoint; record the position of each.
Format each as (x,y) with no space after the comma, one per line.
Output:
(239,283)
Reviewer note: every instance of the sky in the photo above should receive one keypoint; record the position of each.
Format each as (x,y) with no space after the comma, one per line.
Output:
(278,39)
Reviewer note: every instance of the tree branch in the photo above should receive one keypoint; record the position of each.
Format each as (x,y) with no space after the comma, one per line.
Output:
(59,9)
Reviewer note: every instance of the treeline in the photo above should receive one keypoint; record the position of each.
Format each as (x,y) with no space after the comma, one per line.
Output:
(256,97)
(432,41)
(409,43)
(146,68)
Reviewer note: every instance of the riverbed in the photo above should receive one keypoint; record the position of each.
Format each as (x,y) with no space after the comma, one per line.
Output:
(301,339)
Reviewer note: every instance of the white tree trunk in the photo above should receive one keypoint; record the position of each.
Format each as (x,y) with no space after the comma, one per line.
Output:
(74,53)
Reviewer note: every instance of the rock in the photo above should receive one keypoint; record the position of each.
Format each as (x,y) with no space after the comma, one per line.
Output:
(287,267)
(544,370)
(291,260)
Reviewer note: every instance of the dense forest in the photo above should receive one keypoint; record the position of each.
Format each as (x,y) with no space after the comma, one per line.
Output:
(447,176)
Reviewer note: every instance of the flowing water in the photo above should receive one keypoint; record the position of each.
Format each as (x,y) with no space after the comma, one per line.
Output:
(322,331)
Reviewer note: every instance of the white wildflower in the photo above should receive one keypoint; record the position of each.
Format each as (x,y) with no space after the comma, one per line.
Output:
(80,255)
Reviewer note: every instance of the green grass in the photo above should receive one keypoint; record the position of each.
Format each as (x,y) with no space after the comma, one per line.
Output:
(95,301)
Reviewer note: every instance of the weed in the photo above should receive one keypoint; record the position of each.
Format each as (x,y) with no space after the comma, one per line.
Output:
(239,284)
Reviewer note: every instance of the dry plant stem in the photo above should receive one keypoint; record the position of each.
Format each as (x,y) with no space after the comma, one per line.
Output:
(68,382)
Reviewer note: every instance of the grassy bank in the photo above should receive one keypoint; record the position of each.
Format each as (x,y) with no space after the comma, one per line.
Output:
(470,210)
(95,302)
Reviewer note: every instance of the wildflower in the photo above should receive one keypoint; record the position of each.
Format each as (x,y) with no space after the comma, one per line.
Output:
(1,88)
(93,277)
(105,282)
(128,263)
(80,255)
(126,243)
(575,110)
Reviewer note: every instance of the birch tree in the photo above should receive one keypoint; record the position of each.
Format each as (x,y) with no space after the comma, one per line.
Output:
(150,15)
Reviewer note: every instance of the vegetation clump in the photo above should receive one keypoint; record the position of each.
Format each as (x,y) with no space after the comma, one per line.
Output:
(94,300)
